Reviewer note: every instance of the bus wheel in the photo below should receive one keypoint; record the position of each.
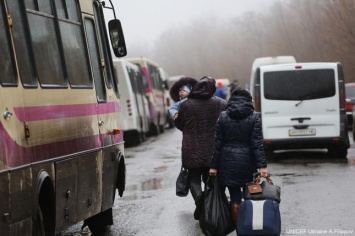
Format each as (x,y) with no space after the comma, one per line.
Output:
(161,128)
(37,224)
(170,122)
(154,128)
(99,223)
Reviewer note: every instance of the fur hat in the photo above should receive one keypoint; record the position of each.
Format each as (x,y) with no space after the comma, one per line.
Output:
(175,88)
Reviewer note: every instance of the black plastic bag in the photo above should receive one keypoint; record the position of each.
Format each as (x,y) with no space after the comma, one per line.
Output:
(216,218)
(182,183)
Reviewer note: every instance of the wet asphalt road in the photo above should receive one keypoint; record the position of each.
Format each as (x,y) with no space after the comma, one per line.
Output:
(317,192)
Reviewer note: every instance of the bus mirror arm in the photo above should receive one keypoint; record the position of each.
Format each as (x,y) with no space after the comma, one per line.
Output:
(103,3)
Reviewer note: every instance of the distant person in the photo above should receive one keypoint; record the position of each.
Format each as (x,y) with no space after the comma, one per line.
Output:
(238,150)
(220,91)
(232,86)
(179,92)
(197,120)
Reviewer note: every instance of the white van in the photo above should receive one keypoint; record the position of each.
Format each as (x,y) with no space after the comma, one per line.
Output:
(262,61)
(134,103)
(302,105)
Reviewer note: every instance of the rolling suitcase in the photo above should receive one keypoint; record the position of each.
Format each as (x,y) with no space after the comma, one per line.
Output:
(259,217)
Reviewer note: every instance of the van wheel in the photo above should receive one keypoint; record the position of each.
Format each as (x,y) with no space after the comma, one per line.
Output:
(338,152)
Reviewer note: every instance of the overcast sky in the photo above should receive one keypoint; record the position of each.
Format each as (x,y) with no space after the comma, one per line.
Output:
(145,20)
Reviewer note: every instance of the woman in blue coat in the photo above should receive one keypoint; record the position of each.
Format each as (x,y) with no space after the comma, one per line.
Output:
(238,151)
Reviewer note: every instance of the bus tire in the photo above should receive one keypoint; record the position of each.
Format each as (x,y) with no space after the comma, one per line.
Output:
(100,223)
(154,129)
(38,224)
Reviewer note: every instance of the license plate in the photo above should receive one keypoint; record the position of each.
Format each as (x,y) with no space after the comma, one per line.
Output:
(301,132)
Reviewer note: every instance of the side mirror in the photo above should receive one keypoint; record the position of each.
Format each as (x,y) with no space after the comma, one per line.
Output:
(117,38)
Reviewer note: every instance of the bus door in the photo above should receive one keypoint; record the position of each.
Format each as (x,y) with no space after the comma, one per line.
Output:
(143,101)
(11,99)
(108,107)
(137,97)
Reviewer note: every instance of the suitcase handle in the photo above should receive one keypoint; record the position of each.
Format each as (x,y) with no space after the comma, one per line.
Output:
(257,178)
(257,174)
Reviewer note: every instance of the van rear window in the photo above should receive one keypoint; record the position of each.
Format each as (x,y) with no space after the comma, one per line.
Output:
(299,84)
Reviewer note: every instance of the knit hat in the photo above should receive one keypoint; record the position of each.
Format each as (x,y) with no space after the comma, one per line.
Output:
(186,87)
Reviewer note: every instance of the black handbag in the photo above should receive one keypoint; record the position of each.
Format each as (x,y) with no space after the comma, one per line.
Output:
(268,190)
(182,183)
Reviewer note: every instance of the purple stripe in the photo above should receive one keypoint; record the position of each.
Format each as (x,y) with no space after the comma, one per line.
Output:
(64,111)
(14,155)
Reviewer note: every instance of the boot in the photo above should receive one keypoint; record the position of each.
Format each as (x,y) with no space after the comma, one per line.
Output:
(235,210)
(199,205)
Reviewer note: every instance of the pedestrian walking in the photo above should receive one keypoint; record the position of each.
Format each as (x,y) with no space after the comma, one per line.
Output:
(197,120)
(233,86)
(238,150)
(220,92)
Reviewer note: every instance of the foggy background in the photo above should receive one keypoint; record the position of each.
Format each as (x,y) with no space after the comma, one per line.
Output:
(222,38)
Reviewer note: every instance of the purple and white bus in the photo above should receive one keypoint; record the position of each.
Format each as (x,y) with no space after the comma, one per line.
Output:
(61,145)
(154,90)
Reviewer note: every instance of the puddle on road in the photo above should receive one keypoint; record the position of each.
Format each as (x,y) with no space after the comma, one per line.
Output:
(351,161)
(170,157)
(152,184)
(141,191)
(160,169)
(134,197)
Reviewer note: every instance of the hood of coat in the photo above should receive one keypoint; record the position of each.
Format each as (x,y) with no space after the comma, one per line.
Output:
(239,107)
(204,89)
(174,89)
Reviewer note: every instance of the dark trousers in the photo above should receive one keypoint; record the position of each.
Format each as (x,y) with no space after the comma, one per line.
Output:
(235,194)
(197,175)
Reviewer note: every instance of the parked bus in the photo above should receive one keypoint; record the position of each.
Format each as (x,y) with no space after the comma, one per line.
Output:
(62,153)
(169,121)
(134,103)
(154,90)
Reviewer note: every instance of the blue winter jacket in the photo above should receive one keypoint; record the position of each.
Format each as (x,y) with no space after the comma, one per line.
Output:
(238,150)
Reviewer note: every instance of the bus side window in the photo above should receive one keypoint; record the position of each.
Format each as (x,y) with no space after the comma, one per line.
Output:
(22,42)
(8,75)
(45,44)
(75,53)
(132,79)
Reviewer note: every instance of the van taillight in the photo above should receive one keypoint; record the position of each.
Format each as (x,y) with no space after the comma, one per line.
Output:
(298,67)
(348,105)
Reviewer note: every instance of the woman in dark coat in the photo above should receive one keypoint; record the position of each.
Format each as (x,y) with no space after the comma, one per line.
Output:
(238,149)
(197,120)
